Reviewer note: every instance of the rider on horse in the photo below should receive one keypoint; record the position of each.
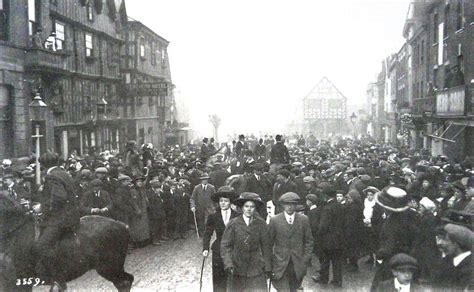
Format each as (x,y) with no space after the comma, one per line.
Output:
(60,213)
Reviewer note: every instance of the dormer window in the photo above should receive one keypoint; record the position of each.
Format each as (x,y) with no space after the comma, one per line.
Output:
(90,12)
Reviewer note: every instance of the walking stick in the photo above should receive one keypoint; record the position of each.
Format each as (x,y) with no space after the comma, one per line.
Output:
(270,284)
(196,224)
(202,269)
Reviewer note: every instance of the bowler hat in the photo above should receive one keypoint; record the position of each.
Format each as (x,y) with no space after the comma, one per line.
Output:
(224,192)
(401,260)
(289,198)
(247,196)
(393,199)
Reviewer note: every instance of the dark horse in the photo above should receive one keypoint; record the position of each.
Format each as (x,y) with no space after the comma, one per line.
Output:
(99,243)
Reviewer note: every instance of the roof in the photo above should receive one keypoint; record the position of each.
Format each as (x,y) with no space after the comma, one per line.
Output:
(316,92)
(132,21)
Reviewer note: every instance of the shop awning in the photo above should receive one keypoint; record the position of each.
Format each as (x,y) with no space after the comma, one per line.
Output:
(436,134)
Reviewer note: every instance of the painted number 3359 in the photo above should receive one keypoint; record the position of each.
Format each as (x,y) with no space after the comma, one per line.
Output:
(29,281)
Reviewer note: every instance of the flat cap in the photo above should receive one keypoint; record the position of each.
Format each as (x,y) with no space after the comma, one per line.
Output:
(313,198)
(402,260)
(308,179)
(96,183)
(123,177)
(461,235)
(101,170)
(289,198)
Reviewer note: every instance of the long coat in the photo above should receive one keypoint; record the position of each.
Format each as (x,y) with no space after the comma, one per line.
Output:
(89,200)
(293,242)
(201,199)
(246,249)
(215,223)
(331,226)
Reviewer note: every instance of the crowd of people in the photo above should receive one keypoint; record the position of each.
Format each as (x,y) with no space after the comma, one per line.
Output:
(276,207)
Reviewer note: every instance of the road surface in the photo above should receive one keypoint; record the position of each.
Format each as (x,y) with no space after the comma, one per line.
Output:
(175,266)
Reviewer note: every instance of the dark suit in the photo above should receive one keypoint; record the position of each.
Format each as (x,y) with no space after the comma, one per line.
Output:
(218,177)
(292,249)
(314,217)
(260,152)
(331,236)
(156,213)
(389,286)
(458,278)
(90,200)
(215,223)
(205,153)
(279,154)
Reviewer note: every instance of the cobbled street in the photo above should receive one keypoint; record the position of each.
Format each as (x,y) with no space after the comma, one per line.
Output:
(175,266)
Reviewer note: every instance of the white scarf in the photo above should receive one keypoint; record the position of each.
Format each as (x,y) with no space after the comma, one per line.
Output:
(368,208)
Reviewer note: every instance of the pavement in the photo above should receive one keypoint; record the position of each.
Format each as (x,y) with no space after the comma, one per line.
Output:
(176,265)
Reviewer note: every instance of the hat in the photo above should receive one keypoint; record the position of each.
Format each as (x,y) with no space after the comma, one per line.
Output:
(6,162)
(308,179)
(258,166)
(204,176)
(247,196)
(284,172)
(458,185)
(155,183)
(401,260)
(330,191)
(224,192)
(427,204)
(393,199)
(313,198)
(462,218)
(101,170)
(289,198)
(123,177)
(96,183)
(461,235)
(299,208)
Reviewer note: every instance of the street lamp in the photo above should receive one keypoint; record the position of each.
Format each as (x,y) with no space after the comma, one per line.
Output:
(37,114)
(353,118)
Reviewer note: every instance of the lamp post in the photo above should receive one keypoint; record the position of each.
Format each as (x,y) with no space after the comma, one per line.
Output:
(353,118)
(37,114)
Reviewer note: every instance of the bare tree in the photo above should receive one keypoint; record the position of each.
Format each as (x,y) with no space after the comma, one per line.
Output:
(216,122)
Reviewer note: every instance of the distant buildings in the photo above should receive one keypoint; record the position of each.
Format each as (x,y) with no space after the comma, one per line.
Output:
(324,110)
(430,82)
(105,78)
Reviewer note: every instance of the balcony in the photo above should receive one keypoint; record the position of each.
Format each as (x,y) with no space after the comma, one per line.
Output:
(423,106)
(452,102)
(42,59)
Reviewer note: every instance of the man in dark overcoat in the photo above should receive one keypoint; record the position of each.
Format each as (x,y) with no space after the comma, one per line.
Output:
(331,237)
(292,245)
(216,223)
(96,201)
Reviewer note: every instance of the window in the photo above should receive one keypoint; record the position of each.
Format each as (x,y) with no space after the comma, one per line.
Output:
(446,20)
(142,47)
(4,12)
(89,45)
(90,12)
(127,78)
(460,16)
(153,54)
(435,27)
(33,16)
(60,37)
(422,52)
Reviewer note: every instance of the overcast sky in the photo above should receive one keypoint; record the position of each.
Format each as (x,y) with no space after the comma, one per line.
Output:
(252,61)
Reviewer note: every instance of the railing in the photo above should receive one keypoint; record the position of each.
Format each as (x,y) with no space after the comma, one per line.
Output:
(451,101)
(44,59)
(423,105)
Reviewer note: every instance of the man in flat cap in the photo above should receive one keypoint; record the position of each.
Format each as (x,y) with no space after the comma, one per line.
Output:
(456,243)
(292,244)
(331,237)
(282,186)
(403,269)
(201,203)
(96,201)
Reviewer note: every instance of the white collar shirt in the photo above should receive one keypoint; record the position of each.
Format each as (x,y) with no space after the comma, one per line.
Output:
(401,287)
(225,216)
(460,257)
(313,207)
(290,218)
(246,219)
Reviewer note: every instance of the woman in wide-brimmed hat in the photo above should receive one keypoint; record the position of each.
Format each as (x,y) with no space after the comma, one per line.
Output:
(245,247)
(217,223)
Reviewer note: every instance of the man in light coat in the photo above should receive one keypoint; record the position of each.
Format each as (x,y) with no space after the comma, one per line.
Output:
(292,244)
(201,202)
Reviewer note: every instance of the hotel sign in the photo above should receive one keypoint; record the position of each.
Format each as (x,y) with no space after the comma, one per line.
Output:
(451,102)
(148,89)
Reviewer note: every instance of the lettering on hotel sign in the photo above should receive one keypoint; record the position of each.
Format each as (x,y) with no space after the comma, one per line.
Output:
(148,89)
